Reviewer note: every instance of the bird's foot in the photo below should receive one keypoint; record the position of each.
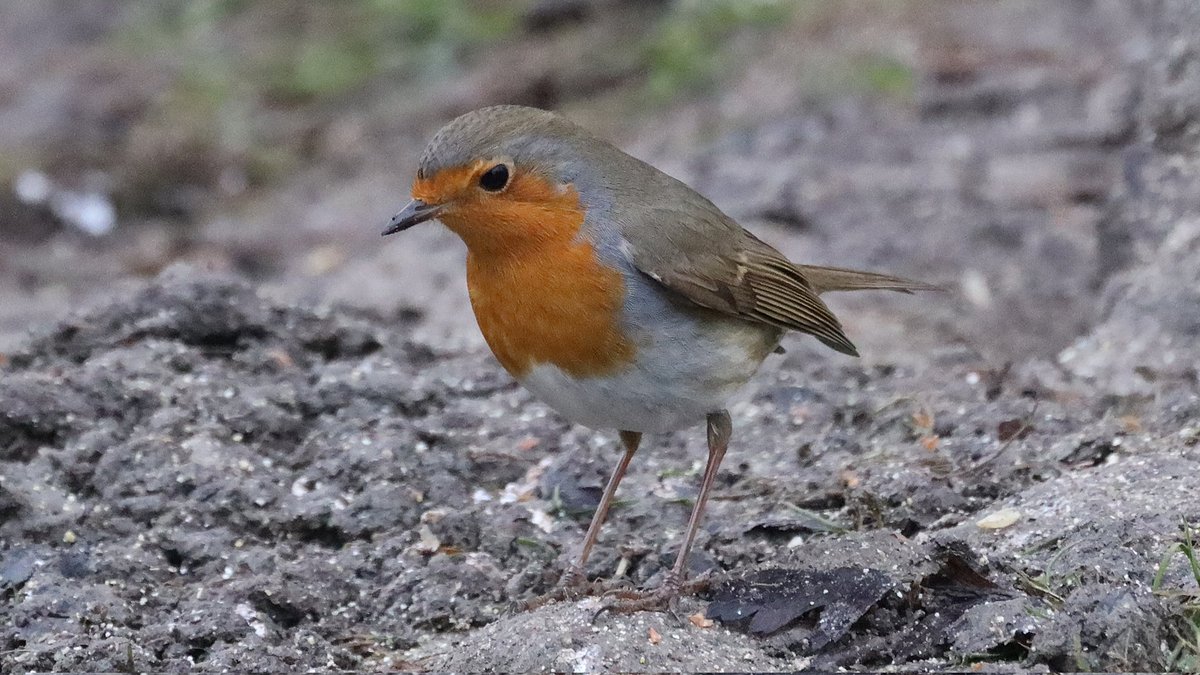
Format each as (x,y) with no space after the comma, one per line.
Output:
(662,599)
(574,585)
(665,598)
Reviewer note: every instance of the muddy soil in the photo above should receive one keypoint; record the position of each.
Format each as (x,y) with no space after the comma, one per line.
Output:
(327,471)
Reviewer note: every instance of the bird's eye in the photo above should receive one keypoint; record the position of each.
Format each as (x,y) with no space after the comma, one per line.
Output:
(494,179)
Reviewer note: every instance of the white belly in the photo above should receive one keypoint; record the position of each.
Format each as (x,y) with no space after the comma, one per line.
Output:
(626,401)
(668,387)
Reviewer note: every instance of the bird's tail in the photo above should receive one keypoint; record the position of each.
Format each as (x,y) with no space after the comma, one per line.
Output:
(825,279)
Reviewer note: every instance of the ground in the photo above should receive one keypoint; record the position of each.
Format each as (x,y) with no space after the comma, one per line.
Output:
(243,433)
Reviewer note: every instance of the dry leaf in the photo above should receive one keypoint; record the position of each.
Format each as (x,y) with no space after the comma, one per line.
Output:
(771,599)
(999,520)
(922,420)
(1014,428)
(655,636)
(700,621)
(930,443)
(528,443)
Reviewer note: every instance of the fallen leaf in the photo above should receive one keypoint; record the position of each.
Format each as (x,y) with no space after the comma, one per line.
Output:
(700,621)
(528,443)
(955,570)
(922,420)
(1009,429)
(930,443)
(999,520)
(803,520)
(655,637)
(768,600)
(1092,452)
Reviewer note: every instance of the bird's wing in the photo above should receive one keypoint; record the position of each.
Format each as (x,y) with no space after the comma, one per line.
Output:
(699,253)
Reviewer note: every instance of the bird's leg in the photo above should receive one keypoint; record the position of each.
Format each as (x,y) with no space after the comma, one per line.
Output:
(720,429)
(577,574)
(573,582)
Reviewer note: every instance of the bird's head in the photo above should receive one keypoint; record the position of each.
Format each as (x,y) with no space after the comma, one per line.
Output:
(502,178)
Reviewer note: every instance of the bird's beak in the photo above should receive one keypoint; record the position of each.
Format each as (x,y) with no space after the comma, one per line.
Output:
(416,212)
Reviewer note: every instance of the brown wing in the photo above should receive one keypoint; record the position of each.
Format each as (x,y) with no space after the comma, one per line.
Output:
(710,260)
(826,279)
(680,239)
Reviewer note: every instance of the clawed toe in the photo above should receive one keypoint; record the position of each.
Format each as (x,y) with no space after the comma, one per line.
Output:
(574,586)
(665,598)
(662,599)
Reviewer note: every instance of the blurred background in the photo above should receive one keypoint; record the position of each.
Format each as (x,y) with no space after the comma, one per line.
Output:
(973,144)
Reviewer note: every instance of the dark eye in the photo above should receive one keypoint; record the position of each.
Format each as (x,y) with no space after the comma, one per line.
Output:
(494,179)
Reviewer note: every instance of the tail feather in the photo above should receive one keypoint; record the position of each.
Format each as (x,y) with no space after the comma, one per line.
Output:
(824,279)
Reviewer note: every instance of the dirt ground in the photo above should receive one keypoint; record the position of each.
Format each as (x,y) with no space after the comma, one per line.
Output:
(246,434)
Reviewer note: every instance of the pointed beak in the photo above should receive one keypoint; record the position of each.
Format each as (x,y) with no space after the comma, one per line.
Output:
(416,212)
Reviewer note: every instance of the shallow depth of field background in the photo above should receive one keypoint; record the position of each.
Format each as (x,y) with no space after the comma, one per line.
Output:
(272,138)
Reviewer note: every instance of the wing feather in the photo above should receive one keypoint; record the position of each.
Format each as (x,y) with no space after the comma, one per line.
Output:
(724,268)
(682,241)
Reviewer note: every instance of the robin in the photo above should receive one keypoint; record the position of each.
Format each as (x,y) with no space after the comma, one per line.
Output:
(615,293)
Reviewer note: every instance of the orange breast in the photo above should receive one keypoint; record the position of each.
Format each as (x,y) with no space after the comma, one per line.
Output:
(556,305)
(539,293)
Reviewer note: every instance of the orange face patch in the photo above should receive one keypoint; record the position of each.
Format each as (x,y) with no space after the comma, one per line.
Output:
(539,293)
(447,184)
(528,212)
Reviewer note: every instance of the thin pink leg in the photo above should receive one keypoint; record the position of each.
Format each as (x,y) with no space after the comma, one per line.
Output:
(720,429)
(577,574)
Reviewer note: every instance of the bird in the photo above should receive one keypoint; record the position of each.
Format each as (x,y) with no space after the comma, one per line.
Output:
(615,293)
